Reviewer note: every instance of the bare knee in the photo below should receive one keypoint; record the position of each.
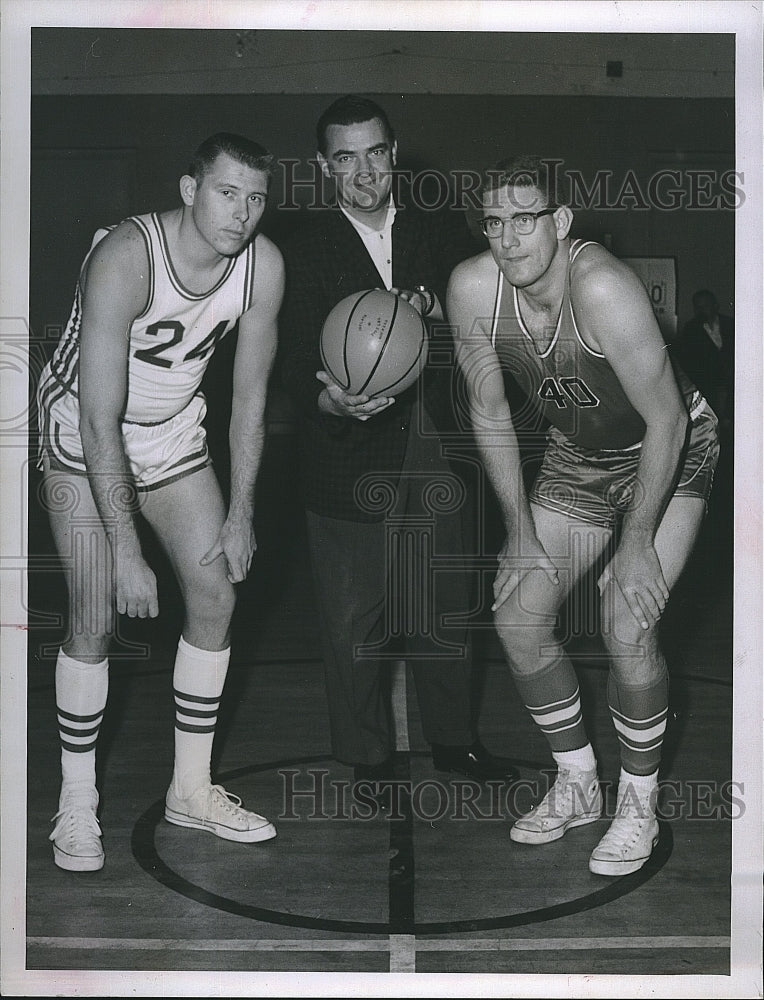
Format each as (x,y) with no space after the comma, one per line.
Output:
(526,635)
(633,651)
(210,602)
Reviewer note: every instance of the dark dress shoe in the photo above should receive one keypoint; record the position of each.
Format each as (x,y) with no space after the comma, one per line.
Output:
(473,762)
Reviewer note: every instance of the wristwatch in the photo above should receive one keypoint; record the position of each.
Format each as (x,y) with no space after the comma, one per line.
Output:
(429,299)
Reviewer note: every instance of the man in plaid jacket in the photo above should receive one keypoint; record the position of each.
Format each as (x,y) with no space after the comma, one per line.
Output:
(372,471)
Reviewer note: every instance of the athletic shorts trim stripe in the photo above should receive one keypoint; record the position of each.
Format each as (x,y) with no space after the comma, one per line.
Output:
(598,487)
(158,454)
(65,362)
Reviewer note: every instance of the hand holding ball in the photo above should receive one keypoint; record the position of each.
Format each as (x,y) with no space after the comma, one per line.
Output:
(374,343)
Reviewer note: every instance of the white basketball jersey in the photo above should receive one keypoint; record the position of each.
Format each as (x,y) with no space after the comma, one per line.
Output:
(173,339)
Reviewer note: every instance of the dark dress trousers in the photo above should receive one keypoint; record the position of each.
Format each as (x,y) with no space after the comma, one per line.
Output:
(388,514)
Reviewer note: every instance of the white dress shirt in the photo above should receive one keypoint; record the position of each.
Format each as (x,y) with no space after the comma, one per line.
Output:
(379,242)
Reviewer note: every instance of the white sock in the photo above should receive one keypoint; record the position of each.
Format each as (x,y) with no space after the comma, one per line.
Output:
(576,760)
(641,783)
(638,792)
(198,680)
(81,693)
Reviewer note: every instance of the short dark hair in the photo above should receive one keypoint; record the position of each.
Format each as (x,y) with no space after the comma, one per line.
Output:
(350,110)
(250,153)
(526,170)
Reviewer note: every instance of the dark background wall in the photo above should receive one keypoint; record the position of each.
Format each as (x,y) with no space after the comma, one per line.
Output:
(116,113)
(97,159)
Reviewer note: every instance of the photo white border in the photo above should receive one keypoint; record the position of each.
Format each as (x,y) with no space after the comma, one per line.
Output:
(643,16)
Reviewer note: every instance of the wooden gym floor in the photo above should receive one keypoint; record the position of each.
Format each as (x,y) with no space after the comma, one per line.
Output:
(434,887)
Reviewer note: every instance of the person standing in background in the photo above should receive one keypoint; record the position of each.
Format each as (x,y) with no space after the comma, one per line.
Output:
(705,350)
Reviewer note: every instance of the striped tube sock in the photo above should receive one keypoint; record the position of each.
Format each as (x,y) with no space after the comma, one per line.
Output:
(639,716)
(81,693)
(198,680)
(552,697)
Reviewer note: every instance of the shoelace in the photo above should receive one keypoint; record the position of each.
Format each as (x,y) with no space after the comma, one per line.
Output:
(562,789)
(623,833)
(230,802)
(75,821)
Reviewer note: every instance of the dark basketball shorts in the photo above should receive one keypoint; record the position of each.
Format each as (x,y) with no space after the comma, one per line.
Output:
(600,486)
(158,453)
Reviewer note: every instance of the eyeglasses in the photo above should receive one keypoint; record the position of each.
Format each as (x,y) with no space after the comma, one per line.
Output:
(523,223)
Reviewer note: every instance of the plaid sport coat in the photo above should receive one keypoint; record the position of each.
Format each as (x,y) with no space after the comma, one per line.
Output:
(326,261)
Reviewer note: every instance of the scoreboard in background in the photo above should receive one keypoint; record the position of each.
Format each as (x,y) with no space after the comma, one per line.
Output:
(658,275)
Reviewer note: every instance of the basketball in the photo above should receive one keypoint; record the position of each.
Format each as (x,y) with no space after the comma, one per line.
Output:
(373,342)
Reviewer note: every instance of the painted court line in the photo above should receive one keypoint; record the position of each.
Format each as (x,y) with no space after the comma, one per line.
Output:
(225,944)
(402,953)
(399,700)
(572,944)
(402,947)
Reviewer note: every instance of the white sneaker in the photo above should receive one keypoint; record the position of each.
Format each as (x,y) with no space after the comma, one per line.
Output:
(631,837)
(214,809)
(76,836)
(574,799)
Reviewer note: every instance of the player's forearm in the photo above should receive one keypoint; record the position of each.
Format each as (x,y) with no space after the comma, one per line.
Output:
(111,482)
(500,453)
(246,441)
(510,492)
(491,420)
(656,478)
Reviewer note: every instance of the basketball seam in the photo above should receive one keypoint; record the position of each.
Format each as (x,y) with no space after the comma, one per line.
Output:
(413,365)
(359,300)
(397,379)
(381,354)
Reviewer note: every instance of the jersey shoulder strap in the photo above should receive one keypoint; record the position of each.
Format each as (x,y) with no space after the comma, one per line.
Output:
(576,246)
(496,304)
(250,258)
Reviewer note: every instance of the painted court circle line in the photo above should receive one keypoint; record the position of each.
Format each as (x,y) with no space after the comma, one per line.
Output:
(146,854)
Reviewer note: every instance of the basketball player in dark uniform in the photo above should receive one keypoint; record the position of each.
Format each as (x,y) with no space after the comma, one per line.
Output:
(626,476)
(121,431)
(370,469)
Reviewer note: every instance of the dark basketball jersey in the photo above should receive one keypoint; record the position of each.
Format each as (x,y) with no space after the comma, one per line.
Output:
(573,385)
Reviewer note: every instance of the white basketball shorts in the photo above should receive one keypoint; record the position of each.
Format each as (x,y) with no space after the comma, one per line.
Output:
(158,453)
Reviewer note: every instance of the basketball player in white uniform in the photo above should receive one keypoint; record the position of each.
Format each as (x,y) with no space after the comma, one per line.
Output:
(625,478)
(121,432)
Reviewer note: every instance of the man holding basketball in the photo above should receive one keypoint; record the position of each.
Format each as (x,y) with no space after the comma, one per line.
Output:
(365,462)
(121,436)
(622,488)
